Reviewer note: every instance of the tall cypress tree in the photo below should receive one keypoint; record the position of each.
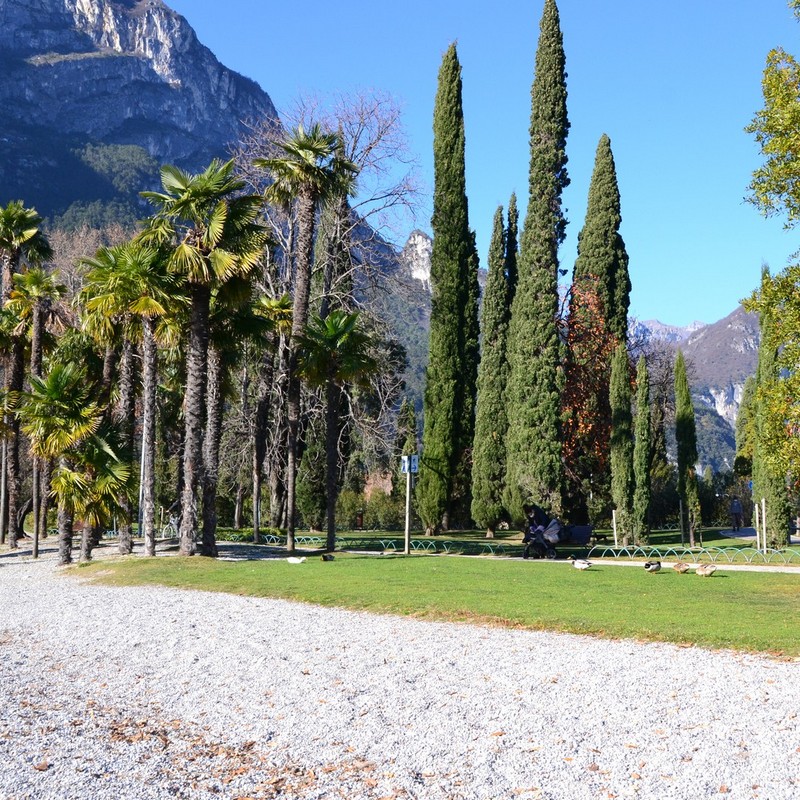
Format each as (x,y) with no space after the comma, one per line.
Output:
(467,390)
(512,248)
(686,440)
(622,479)
(602,257)
(452,259)
(534,469)
(769,484)
(489,456)
(642,456)
(598,312)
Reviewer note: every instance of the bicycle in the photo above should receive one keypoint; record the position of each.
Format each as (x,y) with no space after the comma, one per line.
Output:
(170,529)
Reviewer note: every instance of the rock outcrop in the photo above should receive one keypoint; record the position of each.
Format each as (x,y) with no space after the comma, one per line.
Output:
(116,72)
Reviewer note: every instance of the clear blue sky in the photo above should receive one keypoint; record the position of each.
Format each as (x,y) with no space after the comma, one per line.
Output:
(673,84)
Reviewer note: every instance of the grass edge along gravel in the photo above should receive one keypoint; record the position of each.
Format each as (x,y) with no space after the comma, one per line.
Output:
(746,611)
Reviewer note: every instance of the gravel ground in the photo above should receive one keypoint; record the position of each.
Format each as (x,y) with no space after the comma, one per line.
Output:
(150,693)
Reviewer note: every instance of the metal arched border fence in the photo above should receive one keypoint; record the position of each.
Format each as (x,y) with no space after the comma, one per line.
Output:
(730,555)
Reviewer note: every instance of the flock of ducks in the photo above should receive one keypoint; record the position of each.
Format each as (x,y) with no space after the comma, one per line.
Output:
(703,570)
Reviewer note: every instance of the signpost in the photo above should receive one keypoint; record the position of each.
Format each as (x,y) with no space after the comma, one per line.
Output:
(409,465)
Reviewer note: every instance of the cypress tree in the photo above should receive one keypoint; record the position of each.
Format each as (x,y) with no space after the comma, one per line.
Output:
(745,429)
(642,456)
(534,470)
(769,483)
(597,323)
(686,440)
(488,468)
(405,444)
(467,390)
(512,248)
(602,257)
(452,259)
(622,478)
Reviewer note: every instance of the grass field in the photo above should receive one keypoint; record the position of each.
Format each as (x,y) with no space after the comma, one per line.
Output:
(750,611)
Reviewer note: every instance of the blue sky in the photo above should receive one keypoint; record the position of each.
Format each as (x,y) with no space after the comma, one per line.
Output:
(673,85)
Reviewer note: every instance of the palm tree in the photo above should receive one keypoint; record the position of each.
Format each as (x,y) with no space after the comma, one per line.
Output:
(334,351)
(21,239)
(279,314)
(309,170)
(32,301)
(58,415)
(214,237)
(130,282)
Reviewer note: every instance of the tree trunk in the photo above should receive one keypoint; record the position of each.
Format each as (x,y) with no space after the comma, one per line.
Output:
(64,535)
(194,407)
(332,398)
(149,386)
(260,431)
(44,495)
(213,436)
(127,392)
(14,378)
(306,207)
(239,508)
(109,368)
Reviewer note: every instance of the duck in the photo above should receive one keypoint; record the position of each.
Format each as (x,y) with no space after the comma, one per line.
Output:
(580,563)
(706,570)
(327,556)
(652,566)
(680,567)
(296,560)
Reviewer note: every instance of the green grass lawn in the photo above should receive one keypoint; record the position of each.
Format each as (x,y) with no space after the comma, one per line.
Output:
(750,611)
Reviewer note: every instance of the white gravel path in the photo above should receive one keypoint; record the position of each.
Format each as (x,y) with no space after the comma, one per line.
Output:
(149,693)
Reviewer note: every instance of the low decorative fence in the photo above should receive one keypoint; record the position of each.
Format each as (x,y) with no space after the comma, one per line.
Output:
(729,555)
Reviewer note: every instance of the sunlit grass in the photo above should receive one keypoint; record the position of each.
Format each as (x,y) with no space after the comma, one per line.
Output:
(749,611)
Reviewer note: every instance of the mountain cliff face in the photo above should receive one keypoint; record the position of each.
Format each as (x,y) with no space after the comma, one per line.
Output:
(109,72)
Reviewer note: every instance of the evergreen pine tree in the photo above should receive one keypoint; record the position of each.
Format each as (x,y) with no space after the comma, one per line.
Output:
(769,484)
(534,469)
(621,445)
(641,456)
(489,457)
(686,440)
(452,260)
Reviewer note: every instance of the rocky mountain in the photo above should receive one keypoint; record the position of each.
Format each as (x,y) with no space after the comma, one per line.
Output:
(720,357)
(653,329)
(98,93)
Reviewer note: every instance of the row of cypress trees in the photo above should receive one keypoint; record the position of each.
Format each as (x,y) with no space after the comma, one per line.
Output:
(542,429)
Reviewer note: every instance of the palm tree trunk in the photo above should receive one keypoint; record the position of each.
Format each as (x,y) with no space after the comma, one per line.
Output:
(306,207)
(194,406)
(44,495)
(109,367)
(211,445)
(127,392)
(3,489)
(149,385)
(36,370)
(238,508)
(332,397)
(260,430)
(64,535)
(14,378)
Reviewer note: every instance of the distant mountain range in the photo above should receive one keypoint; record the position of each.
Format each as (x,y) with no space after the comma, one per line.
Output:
(97,94)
